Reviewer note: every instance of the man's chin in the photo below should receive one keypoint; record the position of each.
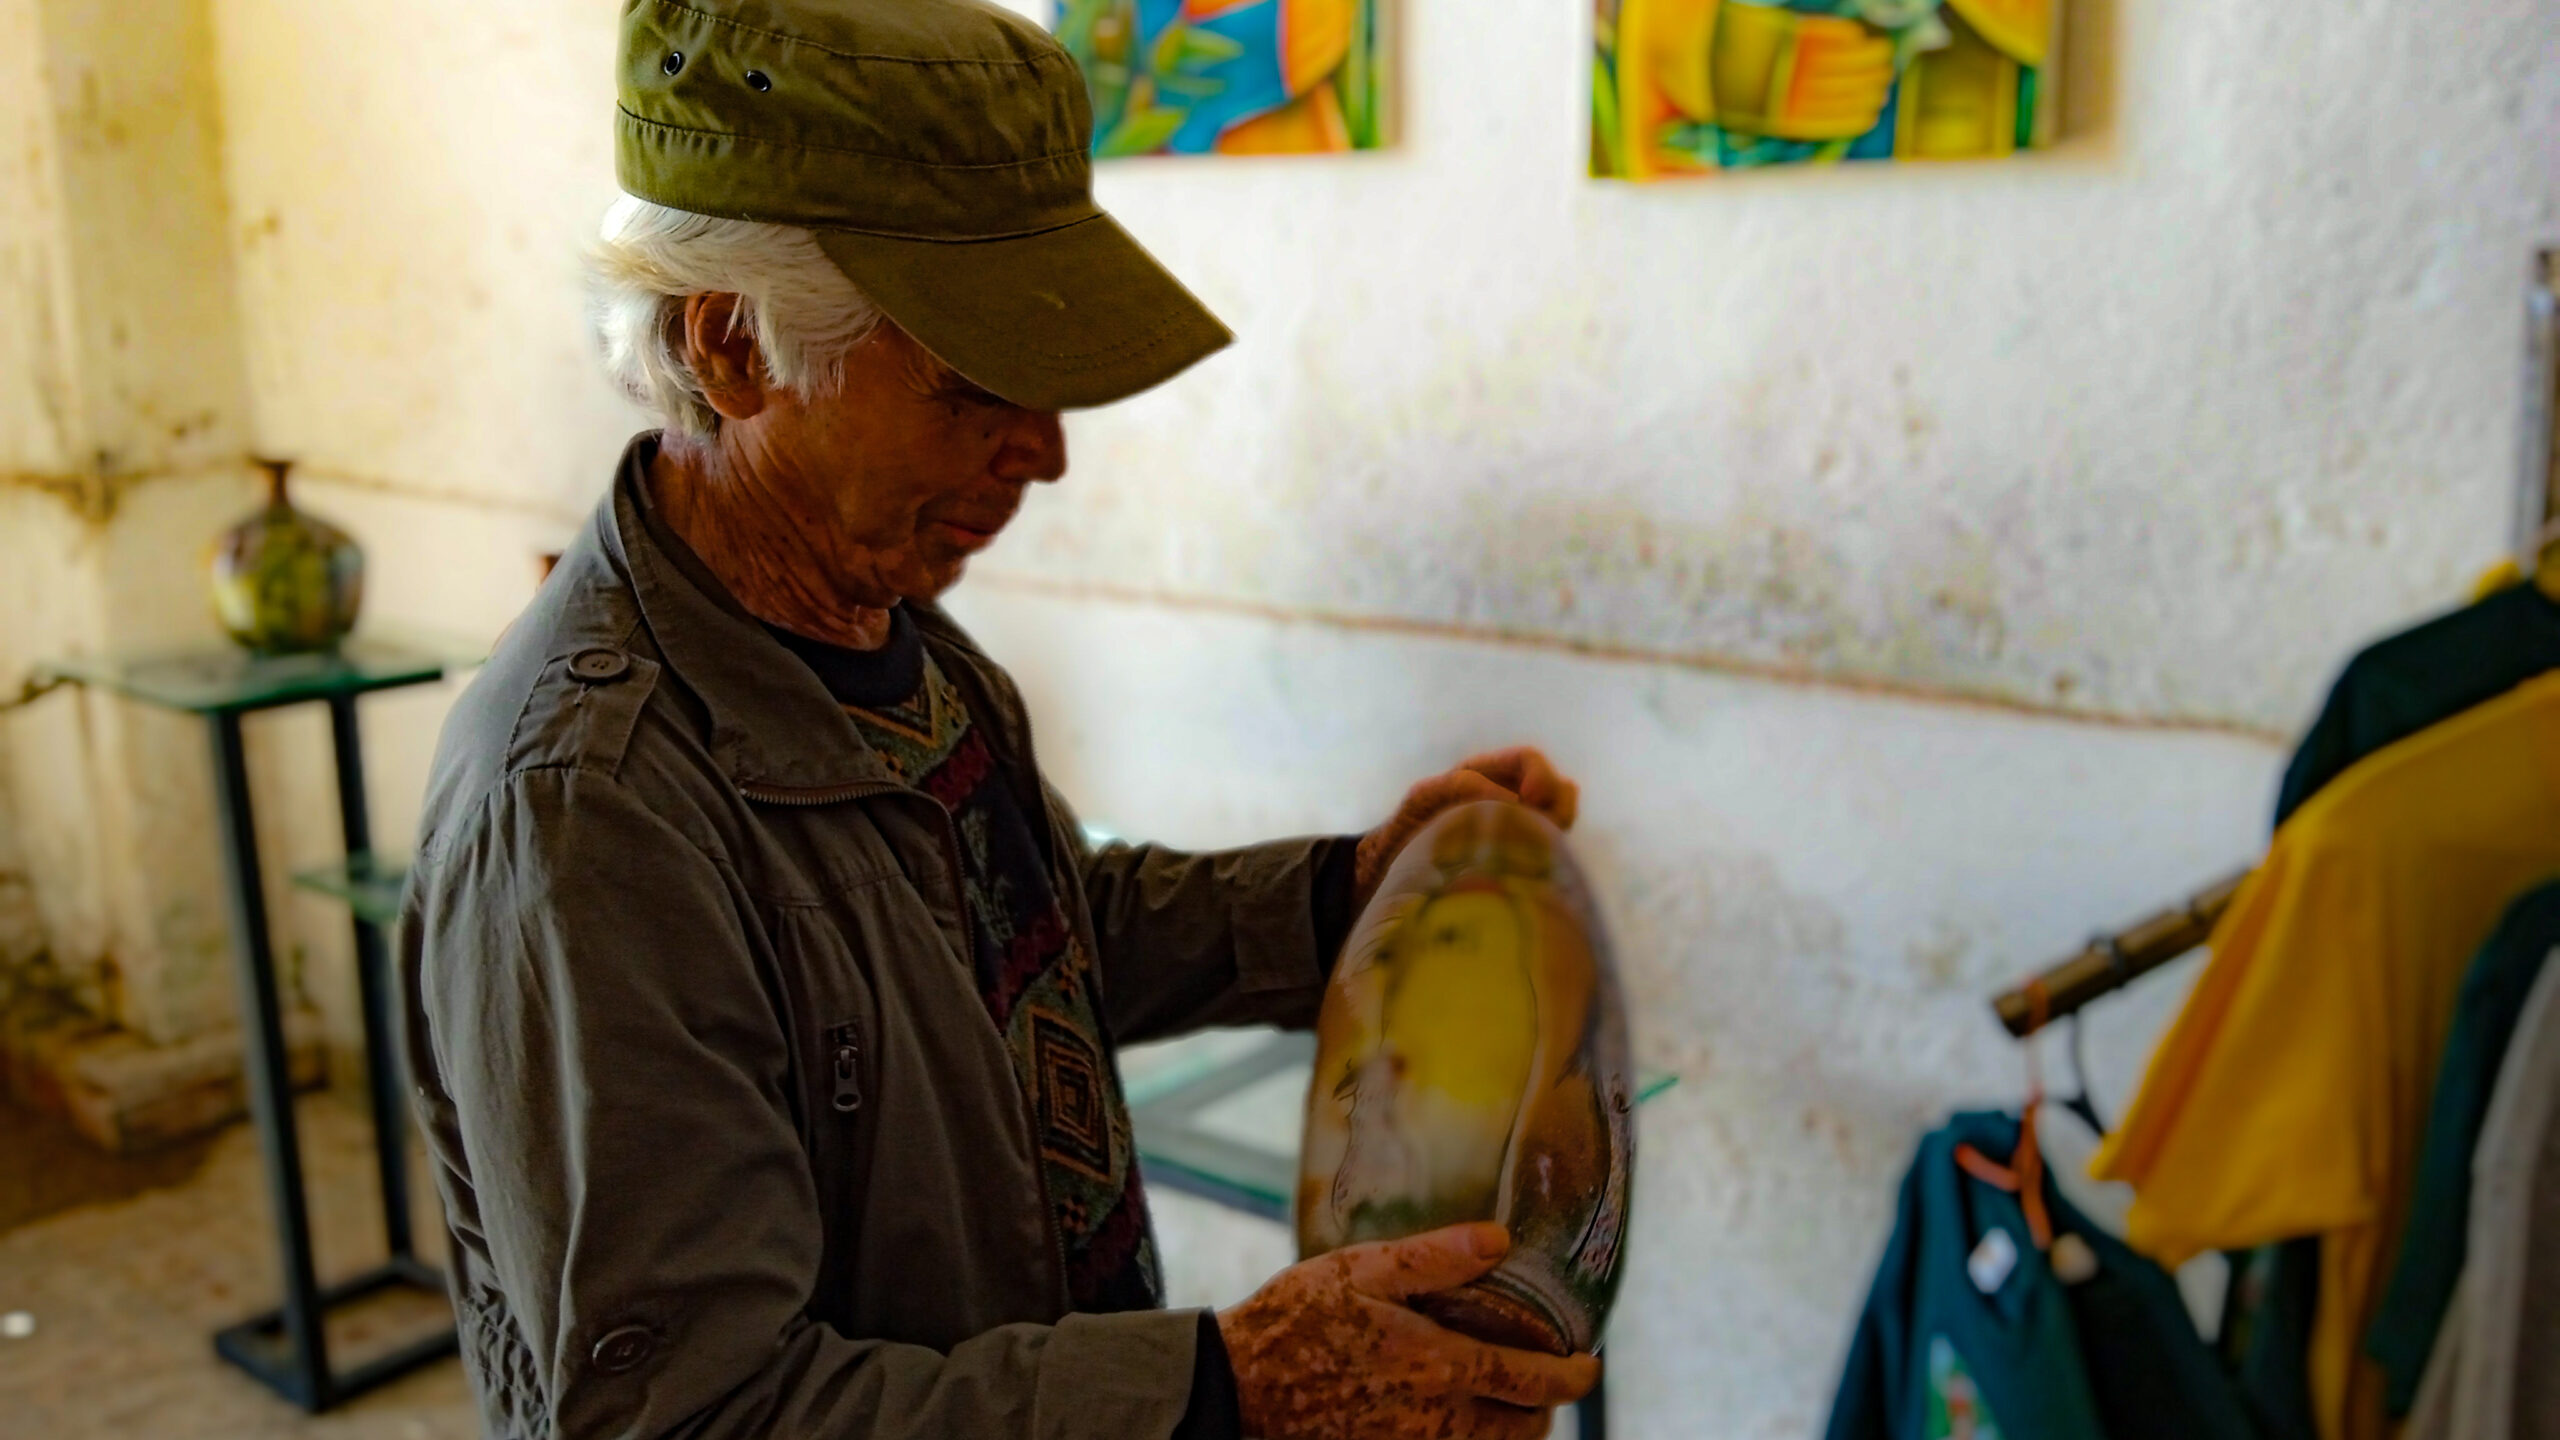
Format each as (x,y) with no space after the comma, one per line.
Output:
(935,578)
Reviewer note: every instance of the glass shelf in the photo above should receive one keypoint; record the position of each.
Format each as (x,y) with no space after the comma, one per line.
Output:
(1219,1115)
(214,681)
(369,885)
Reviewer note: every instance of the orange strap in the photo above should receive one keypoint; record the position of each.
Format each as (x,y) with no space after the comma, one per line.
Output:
(2023,1176)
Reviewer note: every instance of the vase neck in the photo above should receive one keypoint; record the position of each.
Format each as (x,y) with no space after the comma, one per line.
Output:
(277,471)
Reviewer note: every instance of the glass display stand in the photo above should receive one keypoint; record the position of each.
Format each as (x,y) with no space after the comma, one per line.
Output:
(285,1348)
(1219,1115)
(363,882)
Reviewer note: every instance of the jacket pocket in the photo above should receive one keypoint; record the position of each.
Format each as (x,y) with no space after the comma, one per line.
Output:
(834,1026)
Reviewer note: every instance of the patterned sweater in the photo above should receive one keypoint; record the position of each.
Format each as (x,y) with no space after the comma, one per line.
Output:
(1038,984)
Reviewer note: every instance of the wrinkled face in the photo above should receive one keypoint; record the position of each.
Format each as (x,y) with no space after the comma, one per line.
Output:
(896,478)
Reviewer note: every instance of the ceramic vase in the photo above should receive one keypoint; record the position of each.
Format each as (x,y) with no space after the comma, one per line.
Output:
(284,580)
(1471,1064)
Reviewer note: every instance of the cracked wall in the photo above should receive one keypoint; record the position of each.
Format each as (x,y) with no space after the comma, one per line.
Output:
(123,421)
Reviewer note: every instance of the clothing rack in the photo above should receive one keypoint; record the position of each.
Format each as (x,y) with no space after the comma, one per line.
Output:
(2538,487)
(2112,961)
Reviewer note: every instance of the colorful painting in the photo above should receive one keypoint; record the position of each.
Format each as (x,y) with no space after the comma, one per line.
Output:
(1471,1064)
(1685,87)
(1230,77)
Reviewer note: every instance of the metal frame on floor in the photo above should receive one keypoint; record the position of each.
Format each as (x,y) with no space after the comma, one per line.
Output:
(285,1348)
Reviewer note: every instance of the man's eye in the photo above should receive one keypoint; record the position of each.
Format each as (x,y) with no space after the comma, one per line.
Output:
(950,386)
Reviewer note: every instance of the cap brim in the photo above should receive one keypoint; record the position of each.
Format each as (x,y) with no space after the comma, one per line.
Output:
(1077,316)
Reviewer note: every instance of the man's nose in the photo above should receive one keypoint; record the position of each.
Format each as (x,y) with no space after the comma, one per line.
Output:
(1035,449)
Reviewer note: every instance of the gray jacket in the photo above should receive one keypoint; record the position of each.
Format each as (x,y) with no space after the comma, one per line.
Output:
(727,1143)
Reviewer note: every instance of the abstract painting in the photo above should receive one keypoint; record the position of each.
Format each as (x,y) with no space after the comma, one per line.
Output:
(1687,87)
(1230,77)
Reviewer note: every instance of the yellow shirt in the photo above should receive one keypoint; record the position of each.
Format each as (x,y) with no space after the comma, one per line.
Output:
(2290,1095)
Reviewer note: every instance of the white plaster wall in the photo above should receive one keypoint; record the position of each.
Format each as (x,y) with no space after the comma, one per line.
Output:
(112,800)
(122,415)
(22,936)
(2155,424)
(34,398)
(410,204)
(149,307)
(42,592)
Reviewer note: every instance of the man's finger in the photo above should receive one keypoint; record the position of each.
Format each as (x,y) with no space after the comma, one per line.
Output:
(1420,1264)
(1503,766)
(1448,792)
(1527,1377)
(1566,804)
(1526,771)
(1545,791)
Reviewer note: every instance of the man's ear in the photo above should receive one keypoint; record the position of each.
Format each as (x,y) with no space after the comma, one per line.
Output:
(722,356)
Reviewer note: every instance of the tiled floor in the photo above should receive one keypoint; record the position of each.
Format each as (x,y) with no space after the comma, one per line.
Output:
(46,1166)
(127,1294)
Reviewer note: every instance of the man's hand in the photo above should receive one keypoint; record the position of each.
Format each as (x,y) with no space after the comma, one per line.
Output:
(1519,774)
(1327,1350)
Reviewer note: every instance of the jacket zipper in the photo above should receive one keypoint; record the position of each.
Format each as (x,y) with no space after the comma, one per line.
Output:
(837,794)
(844,1054)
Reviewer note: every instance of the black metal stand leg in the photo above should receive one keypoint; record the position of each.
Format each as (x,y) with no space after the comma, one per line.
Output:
(286,1348)
(1591,1413)
(304,1376)
(373,981)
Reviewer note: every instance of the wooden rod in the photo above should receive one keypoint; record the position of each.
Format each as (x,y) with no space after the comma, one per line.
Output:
(2110,962)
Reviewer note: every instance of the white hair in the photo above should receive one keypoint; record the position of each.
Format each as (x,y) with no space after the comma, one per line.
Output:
(804,315)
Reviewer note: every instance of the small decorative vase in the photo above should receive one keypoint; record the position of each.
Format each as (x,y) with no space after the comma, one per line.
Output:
(285,581)
(1471,1064)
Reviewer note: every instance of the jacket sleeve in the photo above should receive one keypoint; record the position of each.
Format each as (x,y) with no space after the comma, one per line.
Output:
(615,1077)
(1221,937)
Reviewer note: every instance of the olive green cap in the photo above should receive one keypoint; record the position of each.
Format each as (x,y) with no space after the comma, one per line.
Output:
(942,152)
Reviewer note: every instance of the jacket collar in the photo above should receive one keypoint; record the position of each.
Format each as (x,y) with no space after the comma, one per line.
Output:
(773,726)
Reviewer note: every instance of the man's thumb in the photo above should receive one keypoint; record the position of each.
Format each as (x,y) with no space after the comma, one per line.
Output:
(1421,1264)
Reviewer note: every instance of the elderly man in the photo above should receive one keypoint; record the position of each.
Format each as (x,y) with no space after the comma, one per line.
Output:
(762,996)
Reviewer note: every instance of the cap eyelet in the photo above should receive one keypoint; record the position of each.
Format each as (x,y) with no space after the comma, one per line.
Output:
(673,63)
(758,81)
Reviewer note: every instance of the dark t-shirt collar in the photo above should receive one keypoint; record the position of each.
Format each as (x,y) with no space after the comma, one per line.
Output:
(871,679)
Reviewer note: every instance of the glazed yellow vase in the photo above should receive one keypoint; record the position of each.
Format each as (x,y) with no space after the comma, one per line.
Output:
(1471,1064)
(285,581)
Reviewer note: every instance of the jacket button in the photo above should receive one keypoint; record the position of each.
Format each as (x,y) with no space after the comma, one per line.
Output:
(623,1349)
(599,666)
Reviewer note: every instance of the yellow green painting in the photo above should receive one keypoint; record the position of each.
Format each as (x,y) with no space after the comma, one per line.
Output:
(1230,77)
(1688,87)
